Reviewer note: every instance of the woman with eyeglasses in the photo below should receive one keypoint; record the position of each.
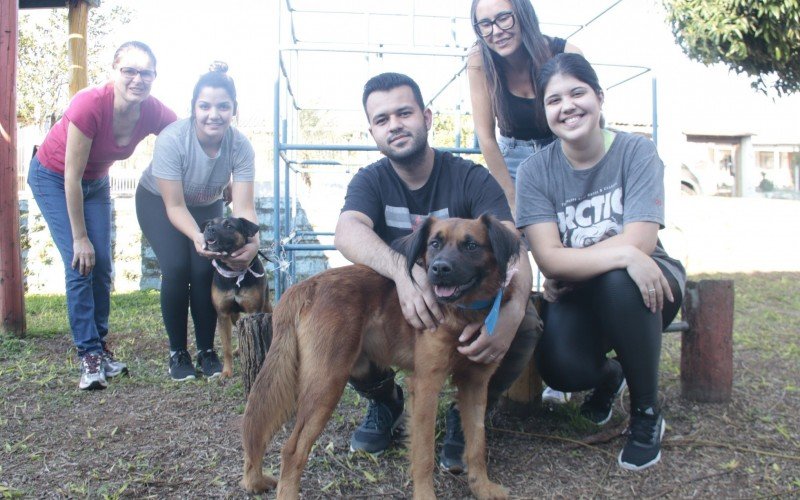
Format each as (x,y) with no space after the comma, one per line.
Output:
(68,177)
(503,68)
(193,161)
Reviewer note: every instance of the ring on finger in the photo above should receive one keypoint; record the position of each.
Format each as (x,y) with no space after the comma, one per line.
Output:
(652,290)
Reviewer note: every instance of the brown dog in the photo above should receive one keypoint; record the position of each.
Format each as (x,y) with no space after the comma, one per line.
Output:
(234,292)
(337,322)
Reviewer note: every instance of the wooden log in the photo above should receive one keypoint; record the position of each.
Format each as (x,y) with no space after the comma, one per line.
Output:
(255,336)
(78,20)
(525,394)
(12,296)
(707,345)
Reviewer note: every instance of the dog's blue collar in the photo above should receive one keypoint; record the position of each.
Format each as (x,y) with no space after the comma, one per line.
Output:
(494,312)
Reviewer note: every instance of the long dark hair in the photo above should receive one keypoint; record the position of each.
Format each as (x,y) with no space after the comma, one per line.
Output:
(537,49)
(217,78)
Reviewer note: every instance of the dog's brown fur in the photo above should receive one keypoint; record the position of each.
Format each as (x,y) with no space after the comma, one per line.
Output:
(333,324)
(231,299)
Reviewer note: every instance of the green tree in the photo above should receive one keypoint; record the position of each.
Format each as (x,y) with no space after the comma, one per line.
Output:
(43,76)
(759,38)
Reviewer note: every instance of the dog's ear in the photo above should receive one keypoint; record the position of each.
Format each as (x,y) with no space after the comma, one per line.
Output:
(205,223)
(248,228)
(505,243)
(413,246)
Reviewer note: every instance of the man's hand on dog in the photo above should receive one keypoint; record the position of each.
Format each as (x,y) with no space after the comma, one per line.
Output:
(417,300)
(478,346)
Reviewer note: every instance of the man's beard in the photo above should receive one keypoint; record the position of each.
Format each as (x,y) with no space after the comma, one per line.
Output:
(411,156)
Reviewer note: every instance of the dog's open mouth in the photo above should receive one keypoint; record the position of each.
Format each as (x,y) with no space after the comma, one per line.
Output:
(451,293)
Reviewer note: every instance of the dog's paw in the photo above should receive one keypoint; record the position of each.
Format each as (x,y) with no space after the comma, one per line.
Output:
(490,491)
(258,483)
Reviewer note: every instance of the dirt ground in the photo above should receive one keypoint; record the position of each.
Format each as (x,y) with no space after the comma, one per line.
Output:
(147,437)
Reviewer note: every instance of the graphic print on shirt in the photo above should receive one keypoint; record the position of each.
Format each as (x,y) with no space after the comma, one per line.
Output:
(591,218)
(402,218)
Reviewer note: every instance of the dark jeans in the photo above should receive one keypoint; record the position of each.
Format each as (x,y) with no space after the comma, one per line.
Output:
(185,276)
(379,384)
(88,297)
(604,313)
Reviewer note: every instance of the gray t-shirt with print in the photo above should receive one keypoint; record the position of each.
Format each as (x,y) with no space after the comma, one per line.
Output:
(178,156)
(594,204)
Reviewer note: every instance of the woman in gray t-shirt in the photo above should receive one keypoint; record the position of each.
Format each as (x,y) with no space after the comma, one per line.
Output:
(591,205)
(193,162)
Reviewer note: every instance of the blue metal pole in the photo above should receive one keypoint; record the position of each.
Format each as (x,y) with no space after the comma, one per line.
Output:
(655,111)
(276,190)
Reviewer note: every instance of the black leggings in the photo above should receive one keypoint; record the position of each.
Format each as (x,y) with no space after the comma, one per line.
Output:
(185,275)
(606,312)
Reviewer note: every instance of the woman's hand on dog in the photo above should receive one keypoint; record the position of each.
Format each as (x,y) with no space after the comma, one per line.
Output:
(200,246)
(241,259)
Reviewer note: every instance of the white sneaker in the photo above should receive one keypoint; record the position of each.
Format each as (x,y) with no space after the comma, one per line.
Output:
(92,372)
(555,397)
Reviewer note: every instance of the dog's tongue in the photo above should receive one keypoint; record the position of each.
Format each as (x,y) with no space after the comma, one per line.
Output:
(444,291)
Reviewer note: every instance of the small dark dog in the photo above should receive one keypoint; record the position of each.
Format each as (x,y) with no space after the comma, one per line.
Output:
(234,292)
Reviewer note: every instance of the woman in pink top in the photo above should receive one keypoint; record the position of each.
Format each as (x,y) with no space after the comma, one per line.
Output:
(68,177)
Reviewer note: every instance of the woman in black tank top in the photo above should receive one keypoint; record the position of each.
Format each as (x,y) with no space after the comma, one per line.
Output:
(503,67)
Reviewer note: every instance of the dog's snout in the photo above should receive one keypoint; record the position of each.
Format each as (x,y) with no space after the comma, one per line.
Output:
(441,268)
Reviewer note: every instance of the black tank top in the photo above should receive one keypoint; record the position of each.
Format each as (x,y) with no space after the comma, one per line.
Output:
(526,116)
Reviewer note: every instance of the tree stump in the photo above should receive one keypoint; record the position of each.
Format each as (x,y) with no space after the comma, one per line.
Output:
(255,336)
(707,345)
(525,394)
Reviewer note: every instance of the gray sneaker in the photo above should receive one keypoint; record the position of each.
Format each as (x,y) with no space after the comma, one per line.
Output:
(93,374)
(113,368)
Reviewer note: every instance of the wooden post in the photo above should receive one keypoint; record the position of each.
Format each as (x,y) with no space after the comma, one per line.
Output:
(78,18)
(12,297)
(255,336)
(707,345)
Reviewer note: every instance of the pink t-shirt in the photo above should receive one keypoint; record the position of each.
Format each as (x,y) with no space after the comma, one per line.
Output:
(92,111)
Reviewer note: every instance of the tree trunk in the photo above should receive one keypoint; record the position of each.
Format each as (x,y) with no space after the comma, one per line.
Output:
(255,337)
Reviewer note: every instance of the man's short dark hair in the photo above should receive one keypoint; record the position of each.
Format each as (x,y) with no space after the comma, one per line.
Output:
(388,81)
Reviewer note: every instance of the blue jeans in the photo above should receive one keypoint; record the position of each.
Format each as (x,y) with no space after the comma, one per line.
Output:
(88,297)
(514,151)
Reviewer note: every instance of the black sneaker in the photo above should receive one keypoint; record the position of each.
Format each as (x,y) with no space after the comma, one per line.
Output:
(180,366)
(375,433)
(93,374)
(598,404)
(208,362)
(113,368)
(643,448)
(451,458)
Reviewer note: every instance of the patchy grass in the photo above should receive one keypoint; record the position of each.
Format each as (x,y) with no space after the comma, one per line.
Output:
(146,436)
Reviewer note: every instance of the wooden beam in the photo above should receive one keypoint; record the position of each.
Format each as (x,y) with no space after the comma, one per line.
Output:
(12,296)
(78,18)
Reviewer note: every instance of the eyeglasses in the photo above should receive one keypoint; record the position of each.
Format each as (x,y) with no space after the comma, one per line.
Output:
(130,73)
(503,20)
